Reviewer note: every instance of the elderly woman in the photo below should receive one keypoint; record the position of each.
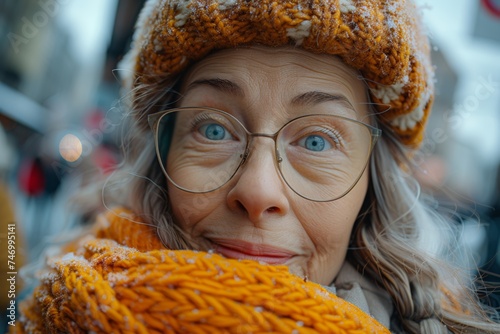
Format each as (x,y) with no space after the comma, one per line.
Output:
(278,134)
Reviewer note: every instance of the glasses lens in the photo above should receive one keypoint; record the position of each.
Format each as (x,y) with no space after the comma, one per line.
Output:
(200,149)
(323,156)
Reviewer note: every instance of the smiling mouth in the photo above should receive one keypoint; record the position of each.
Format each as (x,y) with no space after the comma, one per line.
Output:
(239,249)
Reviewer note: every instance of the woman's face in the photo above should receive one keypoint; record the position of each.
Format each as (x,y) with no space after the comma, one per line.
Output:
(256,215)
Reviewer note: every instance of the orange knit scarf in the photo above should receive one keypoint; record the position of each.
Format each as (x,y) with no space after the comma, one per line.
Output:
(122,280)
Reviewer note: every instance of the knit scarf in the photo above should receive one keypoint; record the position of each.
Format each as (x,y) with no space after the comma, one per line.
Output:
(121,279)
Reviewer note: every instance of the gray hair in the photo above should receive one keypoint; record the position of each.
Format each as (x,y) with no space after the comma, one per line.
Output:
(390,247)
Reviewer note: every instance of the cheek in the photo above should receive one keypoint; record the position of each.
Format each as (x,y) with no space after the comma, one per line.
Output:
(189,209)
(329,227)
(333,221)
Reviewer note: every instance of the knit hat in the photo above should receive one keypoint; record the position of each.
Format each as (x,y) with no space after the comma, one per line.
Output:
(122,280)
(383,39)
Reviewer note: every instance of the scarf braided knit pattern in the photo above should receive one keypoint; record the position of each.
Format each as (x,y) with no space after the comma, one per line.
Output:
(122,280)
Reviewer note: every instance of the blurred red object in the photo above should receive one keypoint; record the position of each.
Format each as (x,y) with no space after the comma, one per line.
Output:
(31,177)
(105,159)
(492,7)
(94,119)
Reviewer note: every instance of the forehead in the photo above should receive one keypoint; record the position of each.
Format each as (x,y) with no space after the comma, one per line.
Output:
(275,76)
(274,62)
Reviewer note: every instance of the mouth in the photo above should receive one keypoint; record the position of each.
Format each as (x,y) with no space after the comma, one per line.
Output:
(239,249)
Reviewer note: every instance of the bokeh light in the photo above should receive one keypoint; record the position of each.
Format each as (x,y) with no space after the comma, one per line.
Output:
(70,148)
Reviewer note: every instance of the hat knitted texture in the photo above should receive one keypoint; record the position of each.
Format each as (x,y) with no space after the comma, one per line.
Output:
(122,280)
(383,39)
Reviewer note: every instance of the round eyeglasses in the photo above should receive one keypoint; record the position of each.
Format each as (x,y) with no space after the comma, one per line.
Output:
(320,157)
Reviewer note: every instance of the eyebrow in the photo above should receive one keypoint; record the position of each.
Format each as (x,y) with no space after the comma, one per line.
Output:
(222,85)
(308,98)
(316,97)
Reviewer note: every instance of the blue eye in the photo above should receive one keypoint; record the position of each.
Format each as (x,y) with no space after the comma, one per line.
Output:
(213,131)
(315,143)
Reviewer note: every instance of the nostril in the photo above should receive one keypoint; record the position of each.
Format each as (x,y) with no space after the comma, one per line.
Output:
(241,206)
(273,209)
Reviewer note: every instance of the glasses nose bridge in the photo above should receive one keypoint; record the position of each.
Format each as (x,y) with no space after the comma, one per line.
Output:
(273,136)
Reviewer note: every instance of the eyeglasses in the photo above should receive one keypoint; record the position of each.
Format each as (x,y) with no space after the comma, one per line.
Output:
(320,157)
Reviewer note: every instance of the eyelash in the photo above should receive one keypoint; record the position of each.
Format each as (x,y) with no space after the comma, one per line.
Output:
(200,119)
(334,135)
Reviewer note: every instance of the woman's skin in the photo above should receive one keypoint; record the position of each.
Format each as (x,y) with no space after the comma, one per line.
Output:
(256,215)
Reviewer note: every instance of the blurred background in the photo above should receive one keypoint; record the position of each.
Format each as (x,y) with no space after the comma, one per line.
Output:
(60,114)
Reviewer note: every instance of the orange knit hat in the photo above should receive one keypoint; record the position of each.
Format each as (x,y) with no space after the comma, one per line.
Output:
(383,39)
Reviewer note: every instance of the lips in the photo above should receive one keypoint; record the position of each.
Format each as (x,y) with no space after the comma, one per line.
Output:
(239,249)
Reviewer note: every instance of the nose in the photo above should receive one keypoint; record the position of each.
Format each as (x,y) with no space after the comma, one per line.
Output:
(258,190)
